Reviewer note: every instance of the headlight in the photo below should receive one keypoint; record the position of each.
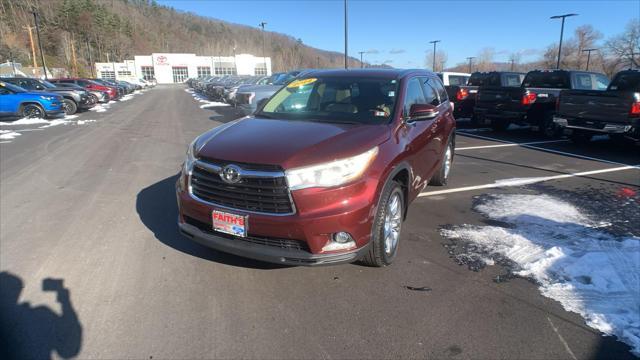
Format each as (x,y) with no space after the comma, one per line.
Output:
(330,174)
(191,158)
(43,97)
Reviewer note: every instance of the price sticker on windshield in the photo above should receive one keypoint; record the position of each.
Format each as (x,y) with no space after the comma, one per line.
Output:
(301,82)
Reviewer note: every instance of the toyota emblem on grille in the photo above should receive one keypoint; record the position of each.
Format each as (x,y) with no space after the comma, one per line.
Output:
(230,174)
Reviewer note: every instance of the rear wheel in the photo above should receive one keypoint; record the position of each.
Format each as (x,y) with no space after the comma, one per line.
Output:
(548,128)
(32,111)
(386,227)
(69,106)
(440,178)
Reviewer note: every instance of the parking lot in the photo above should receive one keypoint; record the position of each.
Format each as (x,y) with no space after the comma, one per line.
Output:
(92,202)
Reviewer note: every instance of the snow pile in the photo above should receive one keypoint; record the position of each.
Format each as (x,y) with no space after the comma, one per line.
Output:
(83,122)
(100,108)
(587,270)
(24,121)
(126,97)
(209,104)
(8,134)
(56,122)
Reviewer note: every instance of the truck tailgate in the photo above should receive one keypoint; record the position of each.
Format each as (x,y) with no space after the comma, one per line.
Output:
(499,99)
(592,105)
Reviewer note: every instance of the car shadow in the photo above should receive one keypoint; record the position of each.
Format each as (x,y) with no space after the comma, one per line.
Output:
(157,208)
(225,114)
(36,332)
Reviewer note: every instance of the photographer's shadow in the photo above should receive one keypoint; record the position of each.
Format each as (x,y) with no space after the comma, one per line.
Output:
(28,332)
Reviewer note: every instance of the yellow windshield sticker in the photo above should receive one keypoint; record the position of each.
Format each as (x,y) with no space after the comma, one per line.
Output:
(301,82)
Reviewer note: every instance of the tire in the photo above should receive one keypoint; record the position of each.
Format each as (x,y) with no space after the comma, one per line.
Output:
(69,106)
(499,125)
(581,137)
(94,98)
(547,127)
(32,111)
(441,176)
(382,252)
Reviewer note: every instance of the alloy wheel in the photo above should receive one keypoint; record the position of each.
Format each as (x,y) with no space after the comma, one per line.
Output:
(392,223)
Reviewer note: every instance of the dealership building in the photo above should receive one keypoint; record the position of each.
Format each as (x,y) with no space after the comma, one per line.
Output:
(176,68)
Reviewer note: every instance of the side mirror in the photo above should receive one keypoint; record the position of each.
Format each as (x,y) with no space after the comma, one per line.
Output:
(39,87)
(422,112)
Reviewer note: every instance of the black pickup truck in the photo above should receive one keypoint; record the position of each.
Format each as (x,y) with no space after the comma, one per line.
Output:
(534,102)
(615,111)
(464,96)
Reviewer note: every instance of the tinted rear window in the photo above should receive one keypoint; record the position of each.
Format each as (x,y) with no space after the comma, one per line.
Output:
(512,80)
(626,82)
(476,79)
(551,79)
(458,80)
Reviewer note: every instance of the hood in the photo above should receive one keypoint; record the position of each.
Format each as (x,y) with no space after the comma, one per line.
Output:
(288,143)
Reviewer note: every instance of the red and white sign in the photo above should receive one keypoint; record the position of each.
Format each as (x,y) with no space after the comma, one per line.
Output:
(229,223)
(161,60)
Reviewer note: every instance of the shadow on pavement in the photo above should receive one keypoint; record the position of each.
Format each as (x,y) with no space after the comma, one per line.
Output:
(224,114)
(156,205)
(28,332)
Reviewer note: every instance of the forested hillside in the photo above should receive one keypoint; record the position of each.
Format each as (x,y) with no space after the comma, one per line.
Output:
(119,29)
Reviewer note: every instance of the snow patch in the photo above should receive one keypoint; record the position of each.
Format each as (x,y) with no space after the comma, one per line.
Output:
(99,108)
(8,134)
(212,104)
(83,122)
(24,121)
(56,122)
(126,97)
(589,271)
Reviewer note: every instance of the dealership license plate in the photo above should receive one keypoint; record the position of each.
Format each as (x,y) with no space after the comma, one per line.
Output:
(229,223)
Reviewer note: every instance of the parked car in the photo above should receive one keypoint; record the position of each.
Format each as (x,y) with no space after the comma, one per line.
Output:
(121,90)
(73,99)
(89,85)
(615,111)
(230,93)
(18,102)
(534,102)
(250,97)
(454,78)
(464,96)
(96,96)
(323,172)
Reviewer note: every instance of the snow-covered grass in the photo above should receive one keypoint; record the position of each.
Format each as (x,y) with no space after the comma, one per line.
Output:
(24,121)
(588,270)
(8,134)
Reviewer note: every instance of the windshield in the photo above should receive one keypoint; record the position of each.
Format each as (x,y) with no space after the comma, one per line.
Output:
(14,88)
(350,100)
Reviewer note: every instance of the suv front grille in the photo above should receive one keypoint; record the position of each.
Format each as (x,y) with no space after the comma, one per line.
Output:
(288,244)
(265,194)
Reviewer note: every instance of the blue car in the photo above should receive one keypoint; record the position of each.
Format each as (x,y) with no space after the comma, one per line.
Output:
(18,102)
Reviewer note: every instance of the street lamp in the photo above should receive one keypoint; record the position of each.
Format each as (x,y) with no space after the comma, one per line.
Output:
(264,58)
(434,42)
(361,63)
(470,58)
(588,56)
(561,33)
(44,66)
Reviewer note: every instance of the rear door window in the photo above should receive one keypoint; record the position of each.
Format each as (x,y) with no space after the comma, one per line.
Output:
(414,95)
(583,82)
(430,93)
(602,82)
(442,92)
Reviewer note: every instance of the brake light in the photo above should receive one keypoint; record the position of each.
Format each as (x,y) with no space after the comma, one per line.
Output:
(529,98)
(462,94)
(635,107)
(558,103)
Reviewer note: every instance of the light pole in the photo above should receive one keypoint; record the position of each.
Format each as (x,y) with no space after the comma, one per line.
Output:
(434,42)
(361,63)
(470,58)
(588,56)
(346,36)
(264,58)
(44,66)
(561,33)
(235,63)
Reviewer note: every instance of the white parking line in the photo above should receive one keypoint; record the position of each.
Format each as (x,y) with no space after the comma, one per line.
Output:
(511,144)
(529,146)
(526,181)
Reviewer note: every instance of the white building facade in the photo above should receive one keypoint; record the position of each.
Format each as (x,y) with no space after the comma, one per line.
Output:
(177,68)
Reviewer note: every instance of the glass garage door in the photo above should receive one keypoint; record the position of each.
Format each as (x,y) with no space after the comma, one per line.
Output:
(180,74)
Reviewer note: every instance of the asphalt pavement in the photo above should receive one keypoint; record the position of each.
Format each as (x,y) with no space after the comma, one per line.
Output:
(94,206)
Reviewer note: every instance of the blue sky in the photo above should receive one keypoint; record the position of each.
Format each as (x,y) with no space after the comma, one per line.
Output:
(398,32)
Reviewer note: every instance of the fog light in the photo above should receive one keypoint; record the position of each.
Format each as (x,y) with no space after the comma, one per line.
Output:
(340,241)
(342,237)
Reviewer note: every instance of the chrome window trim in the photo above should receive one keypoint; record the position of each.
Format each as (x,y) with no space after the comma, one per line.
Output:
(248,173)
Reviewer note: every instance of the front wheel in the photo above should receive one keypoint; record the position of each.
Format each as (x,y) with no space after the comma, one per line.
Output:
(386,227)
(440,178)
(32,111)
(69,106)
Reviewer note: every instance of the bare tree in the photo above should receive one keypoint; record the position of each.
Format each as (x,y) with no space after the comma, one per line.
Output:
(441,60)
(625,45)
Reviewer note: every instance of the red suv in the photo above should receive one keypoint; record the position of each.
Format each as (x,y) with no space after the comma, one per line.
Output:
(323,172)
(90,85)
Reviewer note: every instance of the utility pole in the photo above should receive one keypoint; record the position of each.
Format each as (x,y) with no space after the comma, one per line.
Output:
(75,61)
(361,63)
(235,63)
(33,46)
(318,60)
(561,33)
(346,36)
(264,57)
(513,62)
(588,56)
(434,42)
(470,58)
(44,65)
(90,60)
(13,63)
